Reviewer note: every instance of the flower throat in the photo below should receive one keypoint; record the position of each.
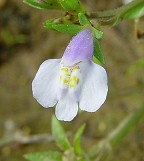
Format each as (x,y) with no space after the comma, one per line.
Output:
(69,75)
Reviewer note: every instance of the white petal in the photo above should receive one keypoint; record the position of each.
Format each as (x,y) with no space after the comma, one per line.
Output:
(45,83)
(94,86)
(66,109)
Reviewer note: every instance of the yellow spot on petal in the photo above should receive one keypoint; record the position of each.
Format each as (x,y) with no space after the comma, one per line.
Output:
(73,81)
(64,70)
(65,81)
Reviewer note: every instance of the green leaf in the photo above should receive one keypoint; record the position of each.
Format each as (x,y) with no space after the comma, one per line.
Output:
(83,20)
(38,5)
(59,135)
(77,139)
(48,24)
(136,12)
(97,33)
(68,29)
(98,51)
(71,6)
(67,26)
(44,156)
(96,61)
(56,21)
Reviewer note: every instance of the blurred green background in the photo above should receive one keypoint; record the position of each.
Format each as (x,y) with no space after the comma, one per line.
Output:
(25,44)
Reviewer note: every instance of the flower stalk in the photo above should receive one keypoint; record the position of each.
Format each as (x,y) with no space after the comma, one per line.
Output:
(113,16)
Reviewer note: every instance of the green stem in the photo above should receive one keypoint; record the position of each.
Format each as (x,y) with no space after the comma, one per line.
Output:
(103,149)
(114,12)
(112,17)
(117,135)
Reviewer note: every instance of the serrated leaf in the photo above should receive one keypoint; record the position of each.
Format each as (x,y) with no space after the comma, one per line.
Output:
(135,12)
(77,139)
(97,33)
(83,20)
(39,5)
(71,6)
(44,156)
(68,29)
(98,51)
(59,135)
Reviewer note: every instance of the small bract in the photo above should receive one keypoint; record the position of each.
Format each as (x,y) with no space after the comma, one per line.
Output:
(72,81)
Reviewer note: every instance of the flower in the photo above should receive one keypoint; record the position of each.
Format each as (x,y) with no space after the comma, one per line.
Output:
(72,81)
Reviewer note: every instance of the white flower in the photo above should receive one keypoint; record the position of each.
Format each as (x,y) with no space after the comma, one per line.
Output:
(73,81)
